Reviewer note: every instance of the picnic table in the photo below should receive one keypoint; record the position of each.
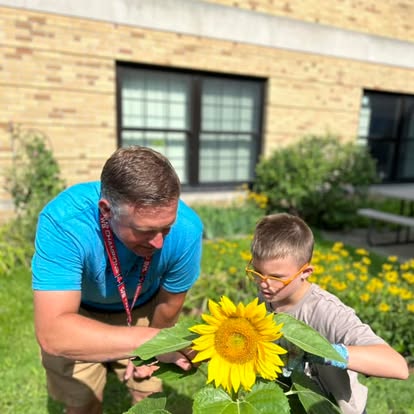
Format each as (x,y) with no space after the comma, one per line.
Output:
(404,219)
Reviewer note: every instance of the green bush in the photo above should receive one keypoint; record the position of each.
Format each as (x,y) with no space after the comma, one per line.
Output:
(238,218)
(15,250)
(319,178)
(33,180)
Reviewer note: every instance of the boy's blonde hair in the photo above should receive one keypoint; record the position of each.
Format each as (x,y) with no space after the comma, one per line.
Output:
(278,236)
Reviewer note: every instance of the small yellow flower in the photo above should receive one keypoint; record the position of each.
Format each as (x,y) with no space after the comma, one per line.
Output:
(383,307)
(392,259)
(350,276)
(365,297)
(245,255)
(410,307)
(239,343)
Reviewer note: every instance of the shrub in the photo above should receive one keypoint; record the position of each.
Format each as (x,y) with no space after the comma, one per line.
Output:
(238,218)
(15,250)
(33,180)
(319,178)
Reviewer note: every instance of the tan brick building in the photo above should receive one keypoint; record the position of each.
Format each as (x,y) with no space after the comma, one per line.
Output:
(212,84)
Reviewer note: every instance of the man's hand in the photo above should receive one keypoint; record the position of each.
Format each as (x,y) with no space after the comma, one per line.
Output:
(141,372)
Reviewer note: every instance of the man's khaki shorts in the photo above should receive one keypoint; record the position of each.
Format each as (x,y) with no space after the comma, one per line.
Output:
(77,383)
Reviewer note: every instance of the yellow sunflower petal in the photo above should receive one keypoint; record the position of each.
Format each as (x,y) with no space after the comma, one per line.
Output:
(248,376)
(203,329)
(239,343)
(227,306)
(203,355)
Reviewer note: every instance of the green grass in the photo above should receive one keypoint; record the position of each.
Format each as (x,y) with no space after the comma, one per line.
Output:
(22,380)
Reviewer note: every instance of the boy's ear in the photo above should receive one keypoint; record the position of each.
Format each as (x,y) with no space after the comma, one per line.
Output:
(307,272)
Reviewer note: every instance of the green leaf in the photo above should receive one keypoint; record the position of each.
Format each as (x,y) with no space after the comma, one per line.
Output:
(168,340)
(154,404)
(171,372)
(306,337)
(264,398)
(268,398)
(213,401)
(313,401)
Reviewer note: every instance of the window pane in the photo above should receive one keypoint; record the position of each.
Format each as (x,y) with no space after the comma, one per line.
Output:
(152,99)
(230,105)
(226,158)
(406,160)
(383,111)
(230,114)
(171,144)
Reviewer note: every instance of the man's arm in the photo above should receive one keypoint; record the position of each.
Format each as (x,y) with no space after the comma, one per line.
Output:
(61,331)
(167,309)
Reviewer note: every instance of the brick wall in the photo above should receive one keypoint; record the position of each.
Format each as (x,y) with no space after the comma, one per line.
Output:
(389,18)
(57,74)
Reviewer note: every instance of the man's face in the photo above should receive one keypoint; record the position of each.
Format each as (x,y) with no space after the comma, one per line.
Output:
(142,229)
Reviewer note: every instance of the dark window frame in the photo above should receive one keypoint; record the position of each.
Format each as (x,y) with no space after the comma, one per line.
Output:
(396,139)
(193,162)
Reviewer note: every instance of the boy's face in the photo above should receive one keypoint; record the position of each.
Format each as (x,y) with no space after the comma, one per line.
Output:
(291,277)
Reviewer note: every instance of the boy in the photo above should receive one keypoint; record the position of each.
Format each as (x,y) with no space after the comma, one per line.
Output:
(282,250)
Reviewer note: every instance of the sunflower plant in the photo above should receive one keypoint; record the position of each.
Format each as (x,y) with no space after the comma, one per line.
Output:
(239,352)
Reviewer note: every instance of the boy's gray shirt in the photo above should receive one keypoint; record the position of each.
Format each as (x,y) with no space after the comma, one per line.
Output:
(338,323)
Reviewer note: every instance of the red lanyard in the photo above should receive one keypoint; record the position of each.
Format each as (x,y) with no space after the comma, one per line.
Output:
(116,268)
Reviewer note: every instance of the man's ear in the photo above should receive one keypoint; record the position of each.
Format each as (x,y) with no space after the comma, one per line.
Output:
(105,208)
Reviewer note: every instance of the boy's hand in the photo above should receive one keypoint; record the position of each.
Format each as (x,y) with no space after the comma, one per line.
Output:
(341,349)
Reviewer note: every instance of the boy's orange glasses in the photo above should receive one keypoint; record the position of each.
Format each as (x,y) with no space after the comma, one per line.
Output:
(258,277)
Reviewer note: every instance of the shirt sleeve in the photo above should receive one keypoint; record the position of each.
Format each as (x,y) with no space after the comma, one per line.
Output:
(57,261)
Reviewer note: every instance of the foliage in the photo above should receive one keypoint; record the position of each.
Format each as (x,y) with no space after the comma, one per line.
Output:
(222,273)
(380,292)
(318,178)
(265,396)
(15,250)
(237,218)
(379,289)
(34,178)
(23,384)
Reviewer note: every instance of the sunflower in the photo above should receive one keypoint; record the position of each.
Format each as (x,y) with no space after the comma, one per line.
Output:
(239,343)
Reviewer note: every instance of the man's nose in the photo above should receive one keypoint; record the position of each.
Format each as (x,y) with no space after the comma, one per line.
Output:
(157,241)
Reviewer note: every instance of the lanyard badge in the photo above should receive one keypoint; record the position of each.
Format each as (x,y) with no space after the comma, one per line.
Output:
(110,248)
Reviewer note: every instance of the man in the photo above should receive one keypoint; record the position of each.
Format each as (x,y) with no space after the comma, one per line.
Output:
(113,262)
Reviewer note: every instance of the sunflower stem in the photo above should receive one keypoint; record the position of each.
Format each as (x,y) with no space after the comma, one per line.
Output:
(235,395)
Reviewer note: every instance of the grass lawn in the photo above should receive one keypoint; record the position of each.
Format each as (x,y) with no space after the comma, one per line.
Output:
(22,381)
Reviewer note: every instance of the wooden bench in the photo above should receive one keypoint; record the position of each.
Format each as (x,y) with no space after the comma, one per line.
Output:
(385,217)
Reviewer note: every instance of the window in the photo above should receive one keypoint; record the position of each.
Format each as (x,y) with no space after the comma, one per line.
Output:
(209,126)
(387,127)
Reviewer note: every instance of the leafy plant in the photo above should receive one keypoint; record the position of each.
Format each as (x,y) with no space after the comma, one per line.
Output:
(379,289)
(34,178)
(265,396)
(15,250)
(319,178)
(236,218)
